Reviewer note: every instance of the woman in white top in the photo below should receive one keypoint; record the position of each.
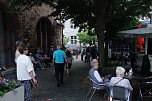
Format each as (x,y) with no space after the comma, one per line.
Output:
(94,74)
(25,72)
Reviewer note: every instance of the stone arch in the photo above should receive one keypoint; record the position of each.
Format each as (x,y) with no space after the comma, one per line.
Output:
(44,33)
(30,21)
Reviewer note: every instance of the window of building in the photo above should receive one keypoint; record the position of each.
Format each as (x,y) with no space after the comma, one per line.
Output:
(71,37)
(72,26)
(75,41)
(71,41)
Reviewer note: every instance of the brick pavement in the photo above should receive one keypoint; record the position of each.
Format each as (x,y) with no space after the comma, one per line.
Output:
(75,87)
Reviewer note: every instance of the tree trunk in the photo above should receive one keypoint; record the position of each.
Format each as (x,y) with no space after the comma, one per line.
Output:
(100,28)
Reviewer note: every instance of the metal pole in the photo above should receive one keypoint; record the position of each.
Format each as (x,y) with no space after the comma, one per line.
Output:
(146,45)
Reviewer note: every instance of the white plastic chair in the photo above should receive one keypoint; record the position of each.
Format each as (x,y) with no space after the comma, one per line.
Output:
(145,88)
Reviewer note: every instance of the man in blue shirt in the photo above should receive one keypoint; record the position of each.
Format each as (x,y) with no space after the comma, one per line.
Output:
(59,59)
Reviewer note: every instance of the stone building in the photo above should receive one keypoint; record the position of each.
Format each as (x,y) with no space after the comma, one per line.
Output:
(40,29)
(8,31)
(32,26)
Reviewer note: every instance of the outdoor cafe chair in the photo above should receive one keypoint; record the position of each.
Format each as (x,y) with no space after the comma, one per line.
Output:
(94,87)
(119,93)
(2,68)
(145,88)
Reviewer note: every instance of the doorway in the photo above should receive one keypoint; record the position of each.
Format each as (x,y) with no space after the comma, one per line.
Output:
(44,32)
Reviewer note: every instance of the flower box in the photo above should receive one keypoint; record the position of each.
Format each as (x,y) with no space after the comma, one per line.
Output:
(15,95)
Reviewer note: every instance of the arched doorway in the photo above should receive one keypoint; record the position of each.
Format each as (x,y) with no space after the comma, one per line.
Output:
(44,32)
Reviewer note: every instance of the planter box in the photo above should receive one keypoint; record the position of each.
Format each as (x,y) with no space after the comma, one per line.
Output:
(12,96)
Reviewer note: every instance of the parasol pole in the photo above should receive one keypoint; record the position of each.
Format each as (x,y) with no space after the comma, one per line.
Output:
(146,44)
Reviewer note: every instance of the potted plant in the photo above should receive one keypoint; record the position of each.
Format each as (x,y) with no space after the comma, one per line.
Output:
(10,90)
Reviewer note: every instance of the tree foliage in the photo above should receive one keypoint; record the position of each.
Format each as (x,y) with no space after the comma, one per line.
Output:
(119,13)
(66,40)
(83,37)
(105,16)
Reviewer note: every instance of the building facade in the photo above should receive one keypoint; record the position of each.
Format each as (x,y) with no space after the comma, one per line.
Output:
(8,31)
(71,32)
(40,29)
(33,26)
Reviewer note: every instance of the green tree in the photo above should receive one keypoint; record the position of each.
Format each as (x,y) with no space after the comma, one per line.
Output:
(85,38)
(106,16)
(65,40)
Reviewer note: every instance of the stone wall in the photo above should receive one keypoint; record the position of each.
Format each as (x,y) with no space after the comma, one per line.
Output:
(8,30)
(28,23)
(23,27)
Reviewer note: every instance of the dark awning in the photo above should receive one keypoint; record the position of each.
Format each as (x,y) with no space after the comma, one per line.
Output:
(140,32)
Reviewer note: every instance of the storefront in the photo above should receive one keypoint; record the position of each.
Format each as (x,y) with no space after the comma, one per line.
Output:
(143,37)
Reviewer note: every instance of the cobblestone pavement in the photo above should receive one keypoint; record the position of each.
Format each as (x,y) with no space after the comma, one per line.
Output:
(75,86)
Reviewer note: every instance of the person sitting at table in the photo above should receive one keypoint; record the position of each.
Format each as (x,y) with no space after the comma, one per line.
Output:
(39,57)
(94,74)
(119,80)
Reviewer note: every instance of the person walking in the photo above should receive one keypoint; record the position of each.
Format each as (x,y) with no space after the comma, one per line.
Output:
(82,53)
(51,51)
(87,57)
(69,61)
(25,72)
(76,53)
(17,53)
(93,52)
(59,59)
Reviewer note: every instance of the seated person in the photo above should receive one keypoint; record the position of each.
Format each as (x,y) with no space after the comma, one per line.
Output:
(94,74)
(40,59)
(37,64)
(32,58)
(119,80)
(46,59)
(39,56)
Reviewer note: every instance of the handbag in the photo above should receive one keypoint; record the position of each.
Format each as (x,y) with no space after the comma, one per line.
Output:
(118,81)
